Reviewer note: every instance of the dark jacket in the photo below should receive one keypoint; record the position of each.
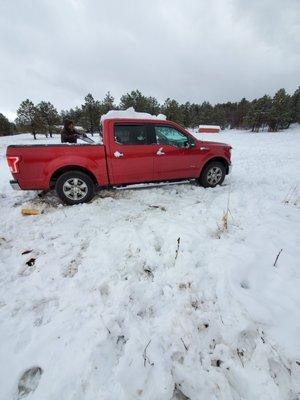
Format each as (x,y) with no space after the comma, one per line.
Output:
(68,136)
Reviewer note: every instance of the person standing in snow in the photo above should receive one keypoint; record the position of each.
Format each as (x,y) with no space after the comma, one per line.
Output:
(69,134)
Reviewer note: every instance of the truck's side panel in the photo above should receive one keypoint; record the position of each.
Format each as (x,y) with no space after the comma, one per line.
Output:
(38,163)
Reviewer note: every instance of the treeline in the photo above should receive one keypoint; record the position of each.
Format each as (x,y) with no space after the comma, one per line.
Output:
(264,113)
(272,113)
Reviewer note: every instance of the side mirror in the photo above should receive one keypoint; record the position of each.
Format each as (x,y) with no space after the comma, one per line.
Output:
(189,144)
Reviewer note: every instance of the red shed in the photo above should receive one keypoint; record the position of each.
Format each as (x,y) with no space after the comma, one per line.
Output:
(209,128)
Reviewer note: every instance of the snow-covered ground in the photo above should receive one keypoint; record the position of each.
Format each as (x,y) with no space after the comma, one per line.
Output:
(110,304)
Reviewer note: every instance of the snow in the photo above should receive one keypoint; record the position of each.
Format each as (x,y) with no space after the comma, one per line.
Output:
(108,304)
(210,127)
(130,113)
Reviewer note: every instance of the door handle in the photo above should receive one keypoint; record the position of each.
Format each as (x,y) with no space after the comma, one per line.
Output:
(204,148)
(160,152)
(117,154)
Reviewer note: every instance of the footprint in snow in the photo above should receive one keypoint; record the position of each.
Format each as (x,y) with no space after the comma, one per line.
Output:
(285,380)
(29,381)
(178,393)
(71,270)
(246,344)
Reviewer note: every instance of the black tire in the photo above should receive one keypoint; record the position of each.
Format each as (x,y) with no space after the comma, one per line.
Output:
(75,187)
(213,174)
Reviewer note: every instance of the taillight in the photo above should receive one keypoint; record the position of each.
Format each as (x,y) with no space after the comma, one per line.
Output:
(13,163)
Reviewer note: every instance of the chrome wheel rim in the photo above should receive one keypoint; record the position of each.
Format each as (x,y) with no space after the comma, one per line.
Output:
(214,175)
(75,189)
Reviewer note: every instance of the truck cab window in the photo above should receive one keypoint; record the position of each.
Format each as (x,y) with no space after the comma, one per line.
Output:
(131,134)
(170,136)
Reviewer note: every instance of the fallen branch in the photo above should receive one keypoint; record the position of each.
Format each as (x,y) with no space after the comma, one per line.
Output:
(184,345)
(177,249)
(26,252)
(274,265)
(146,358)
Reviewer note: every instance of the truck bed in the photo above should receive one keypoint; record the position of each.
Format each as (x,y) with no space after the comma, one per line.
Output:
(40,162)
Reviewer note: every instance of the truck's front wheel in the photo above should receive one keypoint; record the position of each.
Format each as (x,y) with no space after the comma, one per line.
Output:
(213,174)
(75,187)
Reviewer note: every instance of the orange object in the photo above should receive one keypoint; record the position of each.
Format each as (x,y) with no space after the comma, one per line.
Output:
(30,211)
(209,128)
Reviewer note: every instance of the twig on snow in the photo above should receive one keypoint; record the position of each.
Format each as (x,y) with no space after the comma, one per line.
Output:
(105,325)
(274,265)
(146,358)
(240,354)
(177,249)
(184,345)
(224,223)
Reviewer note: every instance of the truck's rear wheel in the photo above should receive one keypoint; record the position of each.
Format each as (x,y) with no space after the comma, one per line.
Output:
(75,187)
(213,174)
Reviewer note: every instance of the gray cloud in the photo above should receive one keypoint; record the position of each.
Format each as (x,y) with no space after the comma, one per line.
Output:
(59,50)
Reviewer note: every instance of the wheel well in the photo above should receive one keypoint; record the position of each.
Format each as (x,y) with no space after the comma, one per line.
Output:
(68,168)
(219,159)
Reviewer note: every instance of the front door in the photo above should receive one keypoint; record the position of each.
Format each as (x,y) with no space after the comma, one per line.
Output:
(131,154)
(175,155)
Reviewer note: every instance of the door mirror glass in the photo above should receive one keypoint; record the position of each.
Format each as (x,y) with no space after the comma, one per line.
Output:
(190,143)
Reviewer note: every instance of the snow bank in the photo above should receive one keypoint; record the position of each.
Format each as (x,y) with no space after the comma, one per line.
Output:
(95,299)
(130,113)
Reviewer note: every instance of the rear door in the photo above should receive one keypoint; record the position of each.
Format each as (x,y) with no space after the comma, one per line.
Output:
(175,155)
(131,153)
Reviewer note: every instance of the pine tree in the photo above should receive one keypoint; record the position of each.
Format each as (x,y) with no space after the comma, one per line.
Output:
(5,126)
(206,113)
(91,110)
(74,114)
(107,104)
(152,105)
(187,117)
(134,99)
(49,116)
(194,111)
(295,101)
(28,117)
(140,102)
(258,113)
(219,116)
(173,111)
(280,114)
(241,112)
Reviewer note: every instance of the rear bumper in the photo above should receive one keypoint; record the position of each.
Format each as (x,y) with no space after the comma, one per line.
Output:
(15,185)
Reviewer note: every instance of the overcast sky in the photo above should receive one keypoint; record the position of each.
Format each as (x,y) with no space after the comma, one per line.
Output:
(190,50)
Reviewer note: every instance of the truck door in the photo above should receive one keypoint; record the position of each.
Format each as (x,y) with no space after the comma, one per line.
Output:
(131,154)
(175,155)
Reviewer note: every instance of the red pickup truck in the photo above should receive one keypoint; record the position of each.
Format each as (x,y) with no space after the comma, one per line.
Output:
(133,151)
